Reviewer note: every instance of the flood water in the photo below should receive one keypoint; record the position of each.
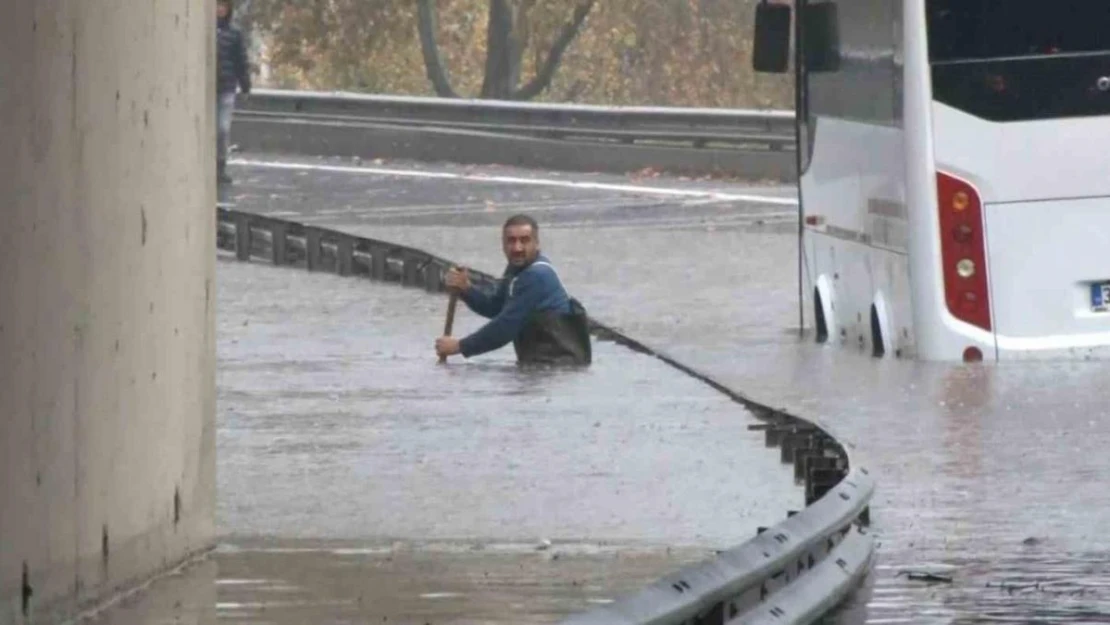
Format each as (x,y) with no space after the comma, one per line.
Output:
(990,474)
(337,422)
(361,481)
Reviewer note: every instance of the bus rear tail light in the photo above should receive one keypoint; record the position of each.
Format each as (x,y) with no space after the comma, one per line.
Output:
(963,251)
(963,233)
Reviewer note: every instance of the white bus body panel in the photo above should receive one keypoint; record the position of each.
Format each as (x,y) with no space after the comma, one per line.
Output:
(1045,188)
(852,183)
(859,250)
(939,335)
(1025,160)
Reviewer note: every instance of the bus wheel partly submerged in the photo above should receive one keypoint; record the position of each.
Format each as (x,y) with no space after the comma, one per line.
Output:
(824,310)
(819,317)
(877,346)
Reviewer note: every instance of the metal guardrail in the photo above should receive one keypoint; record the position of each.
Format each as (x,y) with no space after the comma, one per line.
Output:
(754,145)
(794,572)
(686,127)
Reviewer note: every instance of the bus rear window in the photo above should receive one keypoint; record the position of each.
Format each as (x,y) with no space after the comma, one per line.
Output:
(1016,60)
(969,30)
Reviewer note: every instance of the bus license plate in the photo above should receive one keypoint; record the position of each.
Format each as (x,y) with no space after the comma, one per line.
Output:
(1100,296)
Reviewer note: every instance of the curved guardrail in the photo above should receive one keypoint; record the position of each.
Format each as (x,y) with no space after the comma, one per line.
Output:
(691,140)
(793,572)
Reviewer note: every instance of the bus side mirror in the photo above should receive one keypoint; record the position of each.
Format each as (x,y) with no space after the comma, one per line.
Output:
(821,38)
(771,47)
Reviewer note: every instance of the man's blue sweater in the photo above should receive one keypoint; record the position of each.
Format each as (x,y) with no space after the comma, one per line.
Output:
(520,292)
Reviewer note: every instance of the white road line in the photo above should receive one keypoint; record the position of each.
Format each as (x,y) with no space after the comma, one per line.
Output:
(541,182)
(679,224)
(460,208)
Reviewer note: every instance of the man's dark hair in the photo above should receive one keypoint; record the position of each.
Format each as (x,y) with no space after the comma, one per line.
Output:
(522,220)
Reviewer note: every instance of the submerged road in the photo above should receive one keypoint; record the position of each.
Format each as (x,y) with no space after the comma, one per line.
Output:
(359,481)
(355,468)
(990,474)
(336,423)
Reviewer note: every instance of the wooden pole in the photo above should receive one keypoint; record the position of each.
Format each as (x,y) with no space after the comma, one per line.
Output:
(447,326)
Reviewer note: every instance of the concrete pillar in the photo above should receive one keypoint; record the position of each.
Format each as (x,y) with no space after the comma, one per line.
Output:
(107,226)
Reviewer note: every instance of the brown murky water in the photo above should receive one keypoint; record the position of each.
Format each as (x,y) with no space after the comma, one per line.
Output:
(359,481)
(991,474)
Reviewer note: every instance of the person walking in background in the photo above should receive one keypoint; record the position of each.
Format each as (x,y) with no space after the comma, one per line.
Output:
(232,71)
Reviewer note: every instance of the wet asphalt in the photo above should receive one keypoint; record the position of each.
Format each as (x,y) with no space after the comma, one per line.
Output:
(993,474)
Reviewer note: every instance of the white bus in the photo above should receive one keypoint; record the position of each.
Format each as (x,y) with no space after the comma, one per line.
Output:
(954,172)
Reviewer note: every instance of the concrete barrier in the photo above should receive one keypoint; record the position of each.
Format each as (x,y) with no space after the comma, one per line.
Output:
(107,433)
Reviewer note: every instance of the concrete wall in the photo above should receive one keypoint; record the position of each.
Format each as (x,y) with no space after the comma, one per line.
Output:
(107,445)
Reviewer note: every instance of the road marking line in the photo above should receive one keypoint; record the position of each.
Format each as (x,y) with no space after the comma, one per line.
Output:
(665,225)
(470,206)
(540,182)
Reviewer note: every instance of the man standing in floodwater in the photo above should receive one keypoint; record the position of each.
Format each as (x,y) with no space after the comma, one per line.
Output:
(529,306)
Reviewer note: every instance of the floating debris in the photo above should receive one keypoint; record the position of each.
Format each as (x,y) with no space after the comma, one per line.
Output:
(925,576)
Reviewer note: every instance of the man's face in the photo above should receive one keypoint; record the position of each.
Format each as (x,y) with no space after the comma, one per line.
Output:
(520,244)
(221,10)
